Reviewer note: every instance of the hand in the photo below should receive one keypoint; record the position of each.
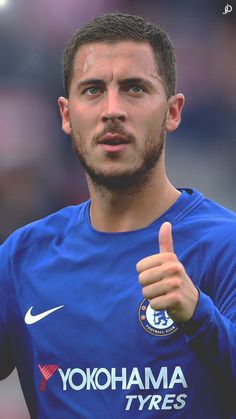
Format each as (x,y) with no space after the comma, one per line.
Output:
(165,282)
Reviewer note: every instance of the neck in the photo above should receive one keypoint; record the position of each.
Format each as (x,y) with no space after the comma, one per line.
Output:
(113,211)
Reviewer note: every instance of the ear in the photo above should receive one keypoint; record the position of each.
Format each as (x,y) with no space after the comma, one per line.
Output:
(64,111)
(175,104)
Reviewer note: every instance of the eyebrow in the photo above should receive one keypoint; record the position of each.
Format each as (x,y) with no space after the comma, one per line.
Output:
(136,80)
(88,82)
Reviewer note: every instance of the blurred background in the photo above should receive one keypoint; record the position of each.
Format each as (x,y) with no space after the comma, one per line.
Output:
(39,173)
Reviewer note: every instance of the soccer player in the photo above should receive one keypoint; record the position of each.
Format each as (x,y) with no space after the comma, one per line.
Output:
(123,306)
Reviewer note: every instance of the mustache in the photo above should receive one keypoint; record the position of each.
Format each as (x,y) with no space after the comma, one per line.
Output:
(114,128)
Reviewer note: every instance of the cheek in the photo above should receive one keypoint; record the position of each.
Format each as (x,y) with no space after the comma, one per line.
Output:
(82,119)
(157,117)
(149,113)
(83,130)
(153,129)
(77,122)
(147,119)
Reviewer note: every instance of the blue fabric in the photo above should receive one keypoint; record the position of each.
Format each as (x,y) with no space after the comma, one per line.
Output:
(103,352)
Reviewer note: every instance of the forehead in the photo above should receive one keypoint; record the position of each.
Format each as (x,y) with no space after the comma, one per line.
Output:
(128,56)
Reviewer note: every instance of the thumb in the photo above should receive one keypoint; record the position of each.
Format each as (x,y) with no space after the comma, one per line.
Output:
(165,238)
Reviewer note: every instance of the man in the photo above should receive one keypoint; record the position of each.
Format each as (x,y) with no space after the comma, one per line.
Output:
(123,306)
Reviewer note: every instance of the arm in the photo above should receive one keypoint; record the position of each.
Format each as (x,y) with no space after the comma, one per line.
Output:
(6,359)
(212,335)
(211,332)
(209,323)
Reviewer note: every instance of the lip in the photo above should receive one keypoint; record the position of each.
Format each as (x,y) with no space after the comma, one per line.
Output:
(108,143)
(109,137)
(113,148)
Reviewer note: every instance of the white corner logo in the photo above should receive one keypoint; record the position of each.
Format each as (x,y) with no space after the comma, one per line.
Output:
(31,319)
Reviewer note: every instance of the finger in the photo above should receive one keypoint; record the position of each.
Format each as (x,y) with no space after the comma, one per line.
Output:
(157,273)
(158,288)
(148,263)
(165,238)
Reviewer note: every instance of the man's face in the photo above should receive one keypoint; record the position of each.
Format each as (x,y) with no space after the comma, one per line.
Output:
(117,111)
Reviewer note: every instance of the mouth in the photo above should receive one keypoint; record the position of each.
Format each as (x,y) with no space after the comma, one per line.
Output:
(113,143)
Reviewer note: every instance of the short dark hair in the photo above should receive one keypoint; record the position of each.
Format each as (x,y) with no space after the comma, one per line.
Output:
(115,27)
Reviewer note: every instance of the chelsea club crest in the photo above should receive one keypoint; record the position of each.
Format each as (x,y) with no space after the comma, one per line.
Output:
(157,323)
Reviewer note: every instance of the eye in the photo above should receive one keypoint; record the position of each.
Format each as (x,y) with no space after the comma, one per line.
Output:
(136,89)
(92,91)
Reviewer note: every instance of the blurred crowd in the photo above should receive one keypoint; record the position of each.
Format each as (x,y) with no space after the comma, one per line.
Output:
(39,173)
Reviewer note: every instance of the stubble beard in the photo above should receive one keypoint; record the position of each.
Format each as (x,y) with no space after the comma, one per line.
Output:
(132,180)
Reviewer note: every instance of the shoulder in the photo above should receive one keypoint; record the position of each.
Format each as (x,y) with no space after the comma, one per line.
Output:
(207,217)
(42,230)
(217,221)
(205,227)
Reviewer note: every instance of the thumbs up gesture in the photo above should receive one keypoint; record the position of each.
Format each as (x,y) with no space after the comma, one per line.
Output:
(165,282)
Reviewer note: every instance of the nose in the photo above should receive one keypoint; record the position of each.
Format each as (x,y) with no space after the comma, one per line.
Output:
(113,108)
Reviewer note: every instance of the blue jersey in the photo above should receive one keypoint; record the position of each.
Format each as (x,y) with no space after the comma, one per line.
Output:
(86,343)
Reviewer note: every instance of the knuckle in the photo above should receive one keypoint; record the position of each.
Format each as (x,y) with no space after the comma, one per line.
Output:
(176,267)
(176,300)
(171,268)
(179,268)
(172,257)
(176,282)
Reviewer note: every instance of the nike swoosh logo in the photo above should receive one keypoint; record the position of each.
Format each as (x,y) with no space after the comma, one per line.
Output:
(31,319)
